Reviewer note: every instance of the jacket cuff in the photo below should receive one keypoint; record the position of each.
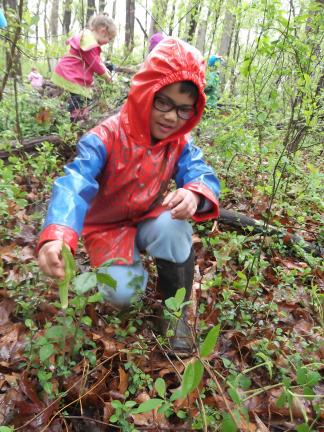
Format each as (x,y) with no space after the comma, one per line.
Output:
(203,190)
(101,69)
(204,205)
(58,232)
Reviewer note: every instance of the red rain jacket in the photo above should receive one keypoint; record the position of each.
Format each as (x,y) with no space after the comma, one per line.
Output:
(118,177)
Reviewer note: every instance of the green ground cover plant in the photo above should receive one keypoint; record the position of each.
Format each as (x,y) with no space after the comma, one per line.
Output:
(68,361)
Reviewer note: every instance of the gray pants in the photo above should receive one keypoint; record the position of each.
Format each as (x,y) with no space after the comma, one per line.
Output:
(163,237)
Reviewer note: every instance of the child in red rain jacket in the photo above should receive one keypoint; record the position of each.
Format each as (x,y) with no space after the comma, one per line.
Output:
(114,191)
(74,72)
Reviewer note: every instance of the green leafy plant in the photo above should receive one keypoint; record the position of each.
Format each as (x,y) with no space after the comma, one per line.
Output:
(138,380)
(69,270)
(66,331)
(38,115)
(122,413)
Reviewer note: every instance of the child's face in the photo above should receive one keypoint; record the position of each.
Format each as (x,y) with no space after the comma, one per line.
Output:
(171,110)
(102,36)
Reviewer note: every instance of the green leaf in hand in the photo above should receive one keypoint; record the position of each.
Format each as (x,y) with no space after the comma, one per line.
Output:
(69,267)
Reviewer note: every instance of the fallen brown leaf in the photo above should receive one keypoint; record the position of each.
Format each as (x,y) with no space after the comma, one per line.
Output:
(123,380)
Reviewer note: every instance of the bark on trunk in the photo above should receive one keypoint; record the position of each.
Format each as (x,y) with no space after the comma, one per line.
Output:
(13,62)
(226,38)
(113,16)
(159,10)
(193,20)
(91,9)
(46,35)
(54,18)
(171,23)
(67,16)
(215,22)
(242,222)
(102,4)
(15,69)
(129,28)
(236,53)
(297,131)
(36,27)
(30,144)
(202,29)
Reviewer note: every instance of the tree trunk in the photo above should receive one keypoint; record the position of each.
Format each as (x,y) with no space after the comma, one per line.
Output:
(171,23)
(114,10)
(236,53)
(102,5)
(129,28)
(18,128)
(113,16)
(81,17)
(91,9)
(12,58)
(67,16)
(226,38)
(54,18)
(216,17)
(36,27)
(296,130)
(46,35)
(201,36)
(146,23)
(159,9)
(202,29)
(193,17)
(14,62)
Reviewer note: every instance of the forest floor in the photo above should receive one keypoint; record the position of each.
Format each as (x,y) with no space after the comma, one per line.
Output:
(90,368)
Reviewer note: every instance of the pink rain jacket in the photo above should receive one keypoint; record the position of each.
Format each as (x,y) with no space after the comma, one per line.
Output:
(118,177)
(36,79)
(79,65)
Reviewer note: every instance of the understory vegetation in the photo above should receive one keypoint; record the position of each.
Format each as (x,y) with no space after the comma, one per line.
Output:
(69,362)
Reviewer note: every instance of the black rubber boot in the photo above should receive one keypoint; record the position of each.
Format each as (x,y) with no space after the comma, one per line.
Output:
(173,276)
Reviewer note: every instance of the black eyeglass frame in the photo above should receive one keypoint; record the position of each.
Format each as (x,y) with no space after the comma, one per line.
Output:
(174,106)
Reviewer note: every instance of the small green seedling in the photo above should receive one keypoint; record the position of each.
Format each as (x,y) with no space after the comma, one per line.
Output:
(69,267)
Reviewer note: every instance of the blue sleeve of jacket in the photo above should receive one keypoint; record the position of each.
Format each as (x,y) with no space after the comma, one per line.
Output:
(73,193)
(192,168)
(3,21)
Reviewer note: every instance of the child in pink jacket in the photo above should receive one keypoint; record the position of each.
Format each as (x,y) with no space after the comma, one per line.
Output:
(74,72)
(35,79)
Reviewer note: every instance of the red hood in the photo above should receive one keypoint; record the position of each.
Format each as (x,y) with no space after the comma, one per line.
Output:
(172,60)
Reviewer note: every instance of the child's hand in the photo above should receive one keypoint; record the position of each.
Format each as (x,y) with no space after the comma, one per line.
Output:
(50,260)
(107,76)
(183,203)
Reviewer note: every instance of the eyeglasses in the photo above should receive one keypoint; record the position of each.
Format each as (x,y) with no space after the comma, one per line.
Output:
(184,112)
